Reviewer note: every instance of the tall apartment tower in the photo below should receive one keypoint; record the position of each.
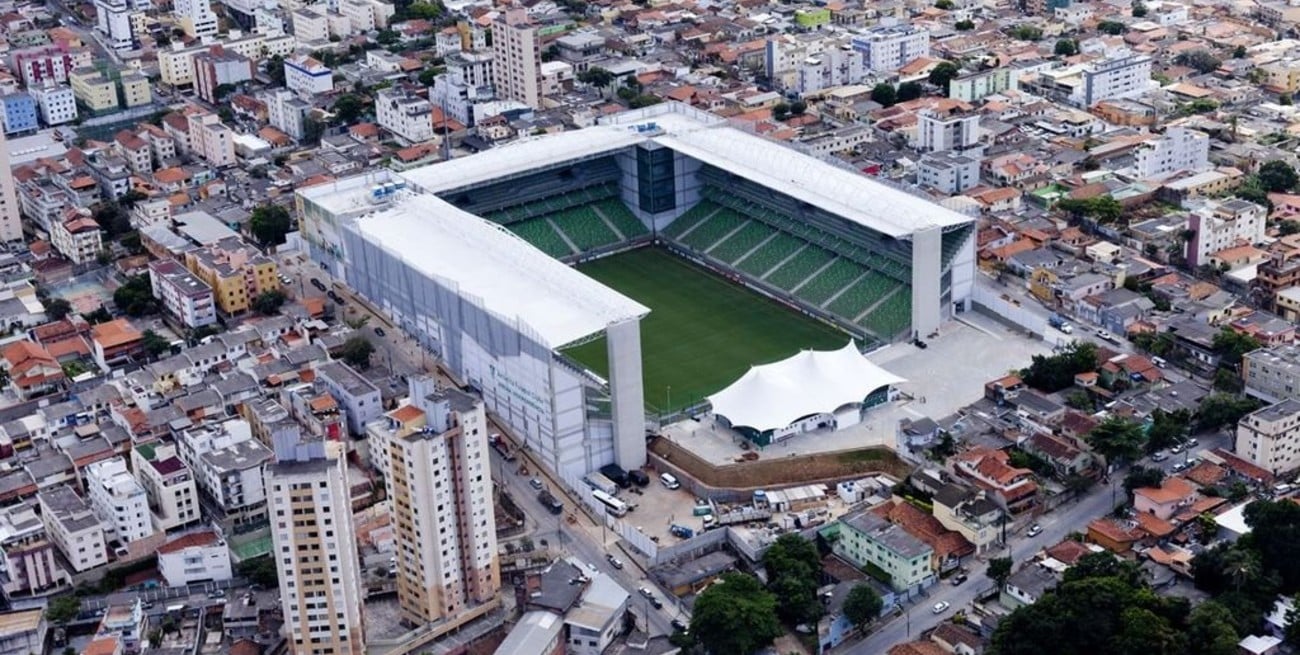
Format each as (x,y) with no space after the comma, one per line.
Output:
(315,546)
(442,506)
(11,228)
(196,17)
(517,58)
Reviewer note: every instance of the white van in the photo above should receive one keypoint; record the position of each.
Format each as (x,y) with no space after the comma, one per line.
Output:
(669,480)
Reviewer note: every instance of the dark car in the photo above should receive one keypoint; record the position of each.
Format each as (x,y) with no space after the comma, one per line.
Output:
(379,332)
(680,625)
(317,283)
(958,579)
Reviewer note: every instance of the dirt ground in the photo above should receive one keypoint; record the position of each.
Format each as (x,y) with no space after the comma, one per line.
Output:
(779,471)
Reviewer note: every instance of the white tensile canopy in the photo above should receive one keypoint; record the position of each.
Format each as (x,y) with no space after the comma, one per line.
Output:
(772,396)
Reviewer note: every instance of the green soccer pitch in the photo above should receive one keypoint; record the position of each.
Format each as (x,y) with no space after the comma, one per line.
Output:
(703,332)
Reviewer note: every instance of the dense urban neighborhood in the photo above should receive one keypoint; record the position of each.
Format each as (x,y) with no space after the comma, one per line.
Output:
(649,327)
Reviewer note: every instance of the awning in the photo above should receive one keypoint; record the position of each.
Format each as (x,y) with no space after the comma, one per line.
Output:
(775,395)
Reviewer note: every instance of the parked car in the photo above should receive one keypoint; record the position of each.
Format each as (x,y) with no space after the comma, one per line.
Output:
(217,593)
(941,607)
(318,284)
(1160,456)
(680,625)
(1192,442)
(1034,530)
(379,332)
(958,579)
(536,483)
(1177,450)
(614,561)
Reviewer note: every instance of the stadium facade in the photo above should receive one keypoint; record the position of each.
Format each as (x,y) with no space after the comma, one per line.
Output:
(471,257)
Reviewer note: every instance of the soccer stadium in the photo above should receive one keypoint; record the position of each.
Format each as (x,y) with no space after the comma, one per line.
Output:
(583,279)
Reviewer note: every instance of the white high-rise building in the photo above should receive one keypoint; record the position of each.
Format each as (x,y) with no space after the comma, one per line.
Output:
(315,547)
(1178,149)
(56,103)
(442,505)
(119,499)
(287,112)
(1270,437)
(1116,77)
(195,17)
(408,117)
(889,48)
(11,228)
(935,133)
(517,58)
(113,20)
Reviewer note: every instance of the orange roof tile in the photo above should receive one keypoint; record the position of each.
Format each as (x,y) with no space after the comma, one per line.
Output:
(115,333)
(406,413)
(192,540)
(1171,490)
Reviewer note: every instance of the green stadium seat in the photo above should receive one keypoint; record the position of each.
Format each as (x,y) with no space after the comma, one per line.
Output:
(892,317)
(770,254)
(799,267)
(702,210)
(713,229)
(585,228)
(540,233)
(867,291)
(740,243)
(830,281)
(622,217)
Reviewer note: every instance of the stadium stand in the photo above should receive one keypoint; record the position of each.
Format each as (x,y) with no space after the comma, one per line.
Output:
(701,211)
(540,233)
(776,250)
(709,232)
(859,297)
(621,217)
(830,281)
(584,227)
(891,316)
(740,243)
(797,269)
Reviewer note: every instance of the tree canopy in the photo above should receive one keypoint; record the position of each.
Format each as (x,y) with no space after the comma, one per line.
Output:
(1277,176)
(885,94)
(909,91)
(1141,477)
(154,344)
(943,74)
(1103,209)
(1066,47)
(1117,438)
(597,77)
(863,605)
(1202,60)
(1112,27)
(135,297)
(268,302)
(269,224)
(57,308)
(356,352)
(1231,345)
(1219,409)
(999,569)
(62,609)
(1052,373)
(1167,428)
(736,616)
(793,565)
(1027,33)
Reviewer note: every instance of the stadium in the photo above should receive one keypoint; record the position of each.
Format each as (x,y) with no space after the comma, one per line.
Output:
(582,279)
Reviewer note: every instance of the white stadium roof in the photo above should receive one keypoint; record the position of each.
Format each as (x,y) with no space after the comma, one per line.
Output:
(772,396)
(511,277)
(709,139)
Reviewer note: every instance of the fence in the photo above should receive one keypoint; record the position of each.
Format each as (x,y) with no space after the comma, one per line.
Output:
(1009,309)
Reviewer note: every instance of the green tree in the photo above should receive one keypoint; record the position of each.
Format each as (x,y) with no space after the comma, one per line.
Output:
(909,91)
(999,569)
(943,74)
(57,308)
(736,616)
(135,297)
(597,77)
(1142,477)
(1027,33)
(356,352)
(348,109)
(964,25)
(1139,9)
(154,343)
(1239,52)
(781,111)
(1103,565)
(1117,438)
(269,224)
(1112,27)
(793,564)
(862,606)
(945,5)
(260,570)
(275,70)
(798,108)
(112,218)
(1200,59)
(1291,633)
(425,10)
(268,302)
(62,609)
(1052,373)
(1231,345)
(1210,630)
(1167,428)
(1277,176)
(1066,47)
(1219,409)
(1275,530)
(387,37)
(885,94)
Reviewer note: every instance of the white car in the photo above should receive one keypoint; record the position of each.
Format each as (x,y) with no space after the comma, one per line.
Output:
(941,607)
(1034,530)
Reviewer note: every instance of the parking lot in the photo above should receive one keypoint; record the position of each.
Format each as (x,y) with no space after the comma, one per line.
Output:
(657,508)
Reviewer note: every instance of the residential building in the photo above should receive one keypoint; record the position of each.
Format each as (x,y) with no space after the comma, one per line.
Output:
(31,370)
(24,632)
(976,86)
(219,68)
(598,618)
(211,140)
(28,561)
(56,104)
(1028,585)
(195,557)
(136,89)
(970,514)
(11,228)
(236,272)
(366,15)
(113,20)
(408,116)
(1219,224)
(307,76)
(118,499)
(184,296)
(989,469)
(78,238)
(359,397)
(95,91)
(868,540)
(948,172)
(1270,437)
(287,112)
(42,64)
(1165,501)
(227,463)
(517,58)
(115,342)
(73,526)
(310,26)
(315,547)
(195,17)
(888,48)
(442,506)
(1117,77)
(1272,374)
(1178,149)
(19,113)
(168,483)
(936,133)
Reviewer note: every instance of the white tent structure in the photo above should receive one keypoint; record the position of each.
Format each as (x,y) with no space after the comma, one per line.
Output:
(775,397)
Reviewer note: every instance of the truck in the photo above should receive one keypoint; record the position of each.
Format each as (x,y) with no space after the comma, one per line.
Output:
(615,473)
(1057,321)
(550,502)
(501,446)
(601,483)
(681,531)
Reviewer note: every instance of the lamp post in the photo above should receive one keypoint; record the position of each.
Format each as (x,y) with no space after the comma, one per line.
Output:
(668,399)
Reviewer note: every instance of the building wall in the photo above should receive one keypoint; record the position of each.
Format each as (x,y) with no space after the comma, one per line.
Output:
(19,113)
(861,549)
(1270,437)
(196,564)
(517,62)
(11,228)
(119,499)
(57,105)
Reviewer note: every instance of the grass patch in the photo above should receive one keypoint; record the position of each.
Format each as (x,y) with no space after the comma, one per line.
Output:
(703,332)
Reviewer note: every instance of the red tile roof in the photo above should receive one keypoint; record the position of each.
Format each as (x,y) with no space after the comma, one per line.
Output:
(192,540)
